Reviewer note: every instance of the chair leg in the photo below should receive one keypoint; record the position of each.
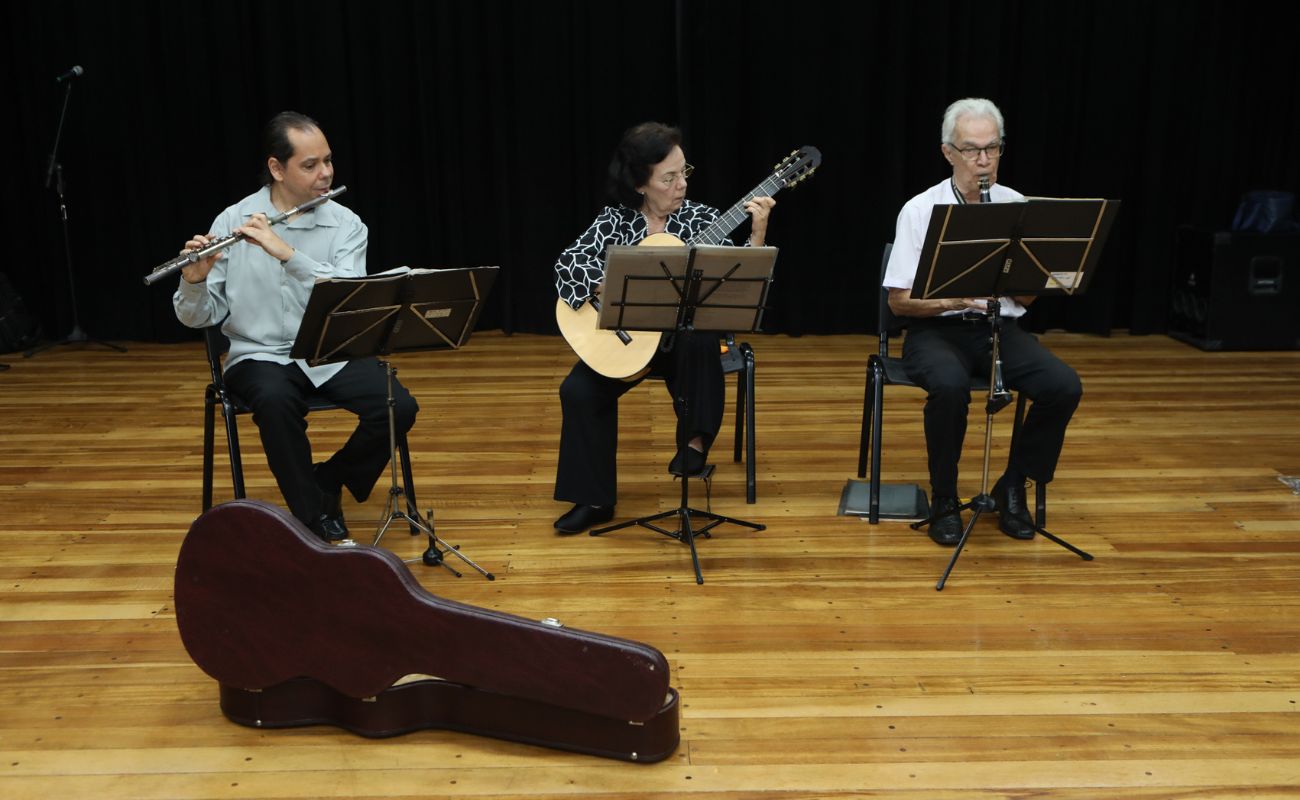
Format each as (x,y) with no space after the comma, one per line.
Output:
(864,440)
(740,416)
(877,384)
(232,446)
(209,435)
(751,463)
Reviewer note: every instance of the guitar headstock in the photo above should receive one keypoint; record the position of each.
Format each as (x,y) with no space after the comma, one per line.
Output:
(797,166)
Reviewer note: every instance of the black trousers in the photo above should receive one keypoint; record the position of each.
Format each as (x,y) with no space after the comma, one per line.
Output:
(277,394)
(588,466)
(942,354)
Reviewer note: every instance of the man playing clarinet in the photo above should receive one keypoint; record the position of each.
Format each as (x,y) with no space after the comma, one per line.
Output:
(942,351)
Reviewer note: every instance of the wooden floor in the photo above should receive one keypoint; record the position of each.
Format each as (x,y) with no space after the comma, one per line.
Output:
(816,661)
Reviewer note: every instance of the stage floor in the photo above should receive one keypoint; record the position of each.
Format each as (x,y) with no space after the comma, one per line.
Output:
(817,660)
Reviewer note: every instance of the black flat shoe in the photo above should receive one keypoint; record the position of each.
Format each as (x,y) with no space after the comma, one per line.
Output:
(1013,515)
(581,518)
(330,528)
(945,530)
(691,464)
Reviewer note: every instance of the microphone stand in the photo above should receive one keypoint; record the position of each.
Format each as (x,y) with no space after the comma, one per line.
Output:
(54,174)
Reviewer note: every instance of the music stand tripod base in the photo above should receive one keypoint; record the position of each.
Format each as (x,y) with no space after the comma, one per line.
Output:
(981,504)
(433,555)
(685,531)
(399,506)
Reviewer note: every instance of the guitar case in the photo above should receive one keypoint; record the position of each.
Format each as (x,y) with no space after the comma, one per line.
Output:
(297,632)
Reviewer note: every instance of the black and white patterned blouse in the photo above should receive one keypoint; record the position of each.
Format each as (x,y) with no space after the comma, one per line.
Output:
(582,266)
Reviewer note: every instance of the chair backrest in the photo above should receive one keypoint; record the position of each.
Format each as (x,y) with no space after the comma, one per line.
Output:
(887,322)
(215,344)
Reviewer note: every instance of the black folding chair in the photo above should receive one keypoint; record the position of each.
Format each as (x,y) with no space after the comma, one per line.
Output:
(886,370)
(216,344)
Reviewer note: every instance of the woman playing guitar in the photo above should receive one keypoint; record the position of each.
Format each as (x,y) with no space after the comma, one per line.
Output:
(647,180)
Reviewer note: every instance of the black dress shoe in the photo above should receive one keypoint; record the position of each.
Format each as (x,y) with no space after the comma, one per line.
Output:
(945,530)
(688,461)
(330,528)
(1013,516)
(581,518)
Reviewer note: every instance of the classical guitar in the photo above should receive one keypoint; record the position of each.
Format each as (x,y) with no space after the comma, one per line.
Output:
(625,354)
(297,632)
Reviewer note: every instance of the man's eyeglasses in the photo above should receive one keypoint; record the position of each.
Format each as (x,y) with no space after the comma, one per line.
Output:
(671,178)
(989,150)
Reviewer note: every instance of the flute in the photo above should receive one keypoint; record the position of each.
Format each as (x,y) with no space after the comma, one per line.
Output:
(174,265)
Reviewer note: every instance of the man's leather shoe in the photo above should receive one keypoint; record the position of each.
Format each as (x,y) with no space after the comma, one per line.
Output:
(1013,515)
(330,528)
(946,529)
(581,518)
(688,461)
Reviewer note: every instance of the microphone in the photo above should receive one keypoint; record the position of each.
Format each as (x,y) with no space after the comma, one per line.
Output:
(75,72)
(984,190)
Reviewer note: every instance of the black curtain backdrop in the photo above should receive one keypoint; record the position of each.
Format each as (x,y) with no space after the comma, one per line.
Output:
(478,132)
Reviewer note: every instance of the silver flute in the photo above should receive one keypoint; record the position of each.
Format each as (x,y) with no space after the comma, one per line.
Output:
(174,265)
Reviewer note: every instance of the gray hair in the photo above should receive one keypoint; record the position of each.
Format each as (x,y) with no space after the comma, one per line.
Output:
(970,107)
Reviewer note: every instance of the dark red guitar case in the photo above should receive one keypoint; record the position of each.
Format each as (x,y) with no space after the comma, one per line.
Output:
(298,632)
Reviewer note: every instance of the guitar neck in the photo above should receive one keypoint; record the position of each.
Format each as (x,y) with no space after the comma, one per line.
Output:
(732,217)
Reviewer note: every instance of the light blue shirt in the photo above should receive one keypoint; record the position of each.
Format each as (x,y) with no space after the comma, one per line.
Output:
(261,300)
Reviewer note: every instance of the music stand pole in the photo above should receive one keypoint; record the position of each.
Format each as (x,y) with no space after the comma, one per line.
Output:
(54,174)
(399,506)
(689,300)
(998,399)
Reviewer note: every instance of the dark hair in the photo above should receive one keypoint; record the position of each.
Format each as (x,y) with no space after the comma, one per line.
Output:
(275,139)
(641,148)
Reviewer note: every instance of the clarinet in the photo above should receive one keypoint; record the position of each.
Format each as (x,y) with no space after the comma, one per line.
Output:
(174,265)
(999,397)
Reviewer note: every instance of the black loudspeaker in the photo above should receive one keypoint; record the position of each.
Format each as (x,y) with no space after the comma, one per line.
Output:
(1236,291)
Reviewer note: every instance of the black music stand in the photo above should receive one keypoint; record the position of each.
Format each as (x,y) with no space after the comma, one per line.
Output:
(702,289)
(1042,246)
(400,311)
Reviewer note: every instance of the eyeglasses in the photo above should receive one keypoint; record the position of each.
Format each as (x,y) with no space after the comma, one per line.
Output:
(991,151)
(671,178)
